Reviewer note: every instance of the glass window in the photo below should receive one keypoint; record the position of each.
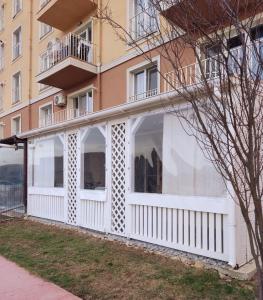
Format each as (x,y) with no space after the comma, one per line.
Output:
(17,43)
(16,125)
(45,115)
(46,162)
(93,160)
(168,160)
(44,29)
(16,87)
(2,17)
(17,6)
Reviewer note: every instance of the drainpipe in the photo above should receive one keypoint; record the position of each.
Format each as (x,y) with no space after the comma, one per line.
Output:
(100,57)
(30,63)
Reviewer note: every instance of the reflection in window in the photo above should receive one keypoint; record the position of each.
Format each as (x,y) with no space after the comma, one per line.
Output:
(93,160)
(46,163)
(148,155)
(167,160)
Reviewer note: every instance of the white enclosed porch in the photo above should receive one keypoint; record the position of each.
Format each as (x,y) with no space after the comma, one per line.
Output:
(141,177)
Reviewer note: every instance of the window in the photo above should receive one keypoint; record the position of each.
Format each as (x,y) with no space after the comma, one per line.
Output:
(46,166)
(93,151)
(2,17)
(145,83)
(1,96)
(44,29)
(145,18)
(211,60)
(43,3)
(16,87)
(167,160)
(45,115)
(256,34)
(83,104)
(17,7)
(16,125)
(17,43)
(236,54)
(1,130)
(2,48)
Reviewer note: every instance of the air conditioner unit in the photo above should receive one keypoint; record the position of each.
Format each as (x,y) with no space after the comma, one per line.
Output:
(60,100)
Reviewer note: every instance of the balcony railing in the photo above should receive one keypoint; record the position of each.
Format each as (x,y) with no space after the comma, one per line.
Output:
(144,95)
(143,24)
(62,116)
(71,45)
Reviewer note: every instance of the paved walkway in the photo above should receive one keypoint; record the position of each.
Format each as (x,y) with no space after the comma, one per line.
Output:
(18,284)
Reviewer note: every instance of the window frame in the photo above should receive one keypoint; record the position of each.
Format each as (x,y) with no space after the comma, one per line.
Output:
(41,110)
(13,120)
(43,33)
(15,101)
(16,12)
(89,101)
(18,29)
(143,66)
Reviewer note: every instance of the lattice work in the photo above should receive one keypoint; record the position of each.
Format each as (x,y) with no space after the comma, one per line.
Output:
(118,133)
(72,178)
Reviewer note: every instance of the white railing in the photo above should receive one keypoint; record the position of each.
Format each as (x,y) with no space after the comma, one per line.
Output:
(143,24)
(71,45)
(62,116)
(144,95)
(211,68)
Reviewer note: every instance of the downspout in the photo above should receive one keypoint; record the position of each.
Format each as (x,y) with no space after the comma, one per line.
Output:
(100,56)
(30,63)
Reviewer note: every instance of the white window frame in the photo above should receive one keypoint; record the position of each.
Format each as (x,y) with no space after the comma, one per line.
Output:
(19,45)
(1,96)
(89,105)
(2,17)
(2,130)
(2,55)
(15,101)
(16,12)
(13,120)
(42,32)
(40,112)
(137,68)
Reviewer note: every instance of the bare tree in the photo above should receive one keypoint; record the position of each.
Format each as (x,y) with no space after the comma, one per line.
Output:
(214,53)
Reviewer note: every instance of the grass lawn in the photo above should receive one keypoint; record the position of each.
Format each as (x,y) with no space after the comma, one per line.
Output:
(98,269)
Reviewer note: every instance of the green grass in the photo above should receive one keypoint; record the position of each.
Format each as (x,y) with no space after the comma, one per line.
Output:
(98,269)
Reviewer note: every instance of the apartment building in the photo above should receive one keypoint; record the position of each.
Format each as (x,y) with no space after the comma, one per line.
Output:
(102,150)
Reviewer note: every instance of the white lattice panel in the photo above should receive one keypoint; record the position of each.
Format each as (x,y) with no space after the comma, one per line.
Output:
(72,178)
(118,133)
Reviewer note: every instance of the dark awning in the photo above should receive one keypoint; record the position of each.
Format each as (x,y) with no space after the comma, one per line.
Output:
(13,140)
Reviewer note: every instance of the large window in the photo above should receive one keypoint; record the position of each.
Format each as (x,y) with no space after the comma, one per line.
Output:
(17,7)
(93,159)
(16,88)
(16,125)
(46,162)
(44,29)
(144,21)
(83,104)
(45,115)
(169,161)
(145,83)
(17,43)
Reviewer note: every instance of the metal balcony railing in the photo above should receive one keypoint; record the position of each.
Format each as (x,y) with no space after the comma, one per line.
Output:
(143,24)
(62,116)
(71,45)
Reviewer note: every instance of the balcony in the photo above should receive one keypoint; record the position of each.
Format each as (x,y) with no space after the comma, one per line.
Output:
(200,15)
(64,14)
(67,63)
(143,24)
(61,116)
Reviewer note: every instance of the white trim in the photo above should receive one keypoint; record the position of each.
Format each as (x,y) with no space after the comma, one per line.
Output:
(18,116)
(93,195)
(52,191)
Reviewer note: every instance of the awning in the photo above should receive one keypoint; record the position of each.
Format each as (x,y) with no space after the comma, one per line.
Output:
(13,140)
